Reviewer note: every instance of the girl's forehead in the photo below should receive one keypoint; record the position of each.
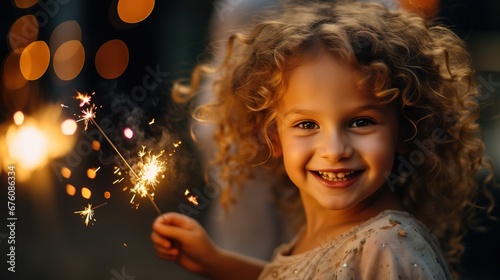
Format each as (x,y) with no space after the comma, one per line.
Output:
(325,68)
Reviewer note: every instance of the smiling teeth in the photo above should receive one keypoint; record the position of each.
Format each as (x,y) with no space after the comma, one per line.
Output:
(336,177)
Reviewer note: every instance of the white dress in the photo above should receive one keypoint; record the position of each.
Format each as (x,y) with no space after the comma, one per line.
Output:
(392,245)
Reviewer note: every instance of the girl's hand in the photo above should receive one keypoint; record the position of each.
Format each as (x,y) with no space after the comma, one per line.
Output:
(177,237)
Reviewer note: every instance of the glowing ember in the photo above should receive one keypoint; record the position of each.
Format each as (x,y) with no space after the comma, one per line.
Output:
(118,181)
(84,98)
(191,198)
(177,144)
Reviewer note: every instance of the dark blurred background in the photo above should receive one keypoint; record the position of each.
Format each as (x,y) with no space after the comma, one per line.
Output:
(52,242)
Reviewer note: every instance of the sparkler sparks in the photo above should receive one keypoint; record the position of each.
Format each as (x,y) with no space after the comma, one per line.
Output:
(88,213)
(88,115)
(150,168)
(191,198)
(118,180)
(84,98)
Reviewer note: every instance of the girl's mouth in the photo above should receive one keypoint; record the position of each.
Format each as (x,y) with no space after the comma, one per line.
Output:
(338,176)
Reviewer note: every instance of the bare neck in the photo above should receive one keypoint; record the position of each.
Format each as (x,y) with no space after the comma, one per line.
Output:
(323,224)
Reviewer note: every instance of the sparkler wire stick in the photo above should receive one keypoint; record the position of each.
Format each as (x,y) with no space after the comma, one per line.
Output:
(128,165)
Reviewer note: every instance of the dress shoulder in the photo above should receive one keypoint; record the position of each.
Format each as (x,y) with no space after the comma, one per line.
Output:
(392,245)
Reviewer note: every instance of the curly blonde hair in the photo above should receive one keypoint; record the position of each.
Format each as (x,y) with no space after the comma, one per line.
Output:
(422,67)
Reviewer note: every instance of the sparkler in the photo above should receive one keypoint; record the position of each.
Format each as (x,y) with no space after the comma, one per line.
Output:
(150,166)
(88,212)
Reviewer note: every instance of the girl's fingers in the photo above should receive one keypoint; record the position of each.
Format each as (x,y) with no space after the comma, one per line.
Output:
(173,252)
(175,219)
(160,241)
(168,257)
(174,226)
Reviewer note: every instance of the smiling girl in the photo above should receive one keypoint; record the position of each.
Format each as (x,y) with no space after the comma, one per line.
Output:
(371,115)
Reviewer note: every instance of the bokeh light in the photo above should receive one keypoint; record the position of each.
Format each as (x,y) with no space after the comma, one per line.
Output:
(68,127)
(86,193)
(96,145)
(12,77)
(107,195)
(27,145)
(34,60)
(112,59)
(23,4)
(18,118)
(69,59)
(64,32)
(134,11)
(23,32)
(70,190)
(91,173)
(65,172)
(32,144)
(128,133)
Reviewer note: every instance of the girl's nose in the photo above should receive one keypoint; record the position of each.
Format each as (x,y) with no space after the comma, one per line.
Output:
(335,146)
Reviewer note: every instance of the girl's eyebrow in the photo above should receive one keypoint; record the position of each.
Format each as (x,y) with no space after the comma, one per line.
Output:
(298,111)
(368,107)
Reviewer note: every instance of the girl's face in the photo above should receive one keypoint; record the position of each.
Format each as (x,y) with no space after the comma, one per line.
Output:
(338,143)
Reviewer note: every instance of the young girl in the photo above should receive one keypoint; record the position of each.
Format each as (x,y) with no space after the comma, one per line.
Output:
(371,113)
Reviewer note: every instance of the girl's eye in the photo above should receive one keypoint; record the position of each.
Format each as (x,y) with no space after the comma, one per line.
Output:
(361,123)
(307,125)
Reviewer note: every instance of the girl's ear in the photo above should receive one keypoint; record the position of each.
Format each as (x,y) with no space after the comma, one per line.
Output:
(275,142)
